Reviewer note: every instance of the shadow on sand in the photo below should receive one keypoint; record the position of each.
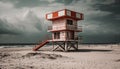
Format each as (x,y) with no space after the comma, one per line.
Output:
(89,50)
(81,50)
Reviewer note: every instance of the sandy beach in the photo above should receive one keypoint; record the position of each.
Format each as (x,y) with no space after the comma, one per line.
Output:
(87,57)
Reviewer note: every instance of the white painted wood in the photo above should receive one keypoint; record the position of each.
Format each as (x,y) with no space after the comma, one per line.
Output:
(62,35)
(61,13)
(49,16)
(59,24)
(68,13)
(77,15)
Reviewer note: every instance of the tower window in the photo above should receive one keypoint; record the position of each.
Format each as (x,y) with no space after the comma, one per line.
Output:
(69,22)
(57,35)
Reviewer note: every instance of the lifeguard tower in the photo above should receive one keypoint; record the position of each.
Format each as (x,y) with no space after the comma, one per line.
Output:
(64,29)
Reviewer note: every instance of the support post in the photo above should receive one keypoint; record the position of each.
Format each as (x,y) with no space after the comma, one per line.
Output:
(66,46)
(76,45)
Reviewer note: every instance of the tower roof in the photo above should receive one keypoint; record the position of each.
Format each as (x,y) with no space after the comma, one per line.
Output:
(64,13)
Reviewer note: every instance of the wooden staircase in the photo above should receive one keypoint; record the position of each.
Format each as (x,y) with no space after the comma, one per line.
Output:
(40,45)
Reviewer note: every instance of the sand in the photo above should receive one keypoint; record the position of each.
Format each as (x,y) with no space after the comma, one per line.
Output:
(87,57)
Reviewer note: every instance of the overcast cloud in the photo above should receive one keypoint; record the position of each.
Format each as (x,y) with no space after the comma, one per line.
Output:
(24,20)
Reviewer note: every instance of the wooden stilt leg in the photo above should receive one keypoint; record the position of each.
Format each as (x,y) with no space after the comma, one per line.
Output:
(76,46)
(69,46)
(55,48)
(62,47)
(53,44)
(73,46)
(66,47)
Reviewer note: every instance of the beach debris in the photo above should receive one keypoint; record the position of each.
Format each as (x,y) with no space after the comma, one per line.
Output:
(3,55)
(118,60)
(43,55)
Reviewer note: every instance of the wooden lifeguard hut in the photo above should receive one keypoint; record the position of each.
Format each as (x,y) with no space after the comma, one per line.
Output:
(64,29)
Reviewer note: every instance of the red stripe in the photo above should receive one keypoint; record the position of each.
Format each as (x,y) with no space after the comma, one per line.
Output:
(73,14)
(55,14)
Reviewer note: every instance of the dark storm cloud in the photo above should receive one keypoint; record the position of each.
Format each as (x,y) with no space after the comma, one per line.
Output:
(34,3)
(110,21)
(26,30)
(66,2)
(30,22)
(6,28)
(114,7)
(27,3)
(31,3)
(100,28)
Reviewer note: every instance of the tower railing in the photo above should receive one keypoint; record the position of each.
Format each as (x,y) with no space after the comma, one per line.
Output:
(79,28)
(75,28)
(49,27)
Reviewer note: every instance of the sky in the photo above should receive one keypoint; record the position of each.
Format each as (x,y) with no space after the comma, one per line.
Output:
(23,21)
